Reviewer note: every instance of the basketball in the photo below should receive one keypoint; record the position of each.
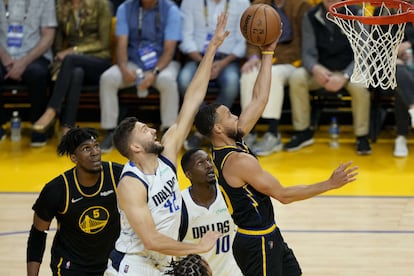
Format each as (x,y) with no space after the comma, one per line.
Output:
(260,24)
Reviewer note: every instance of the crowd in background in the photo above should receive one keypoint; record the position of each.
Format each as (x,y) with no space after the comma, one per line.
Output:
(66,44)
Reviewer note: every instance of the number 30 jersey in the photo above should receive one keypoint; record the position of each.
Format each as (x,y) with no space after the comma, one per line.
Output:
(164,203)
(196,220)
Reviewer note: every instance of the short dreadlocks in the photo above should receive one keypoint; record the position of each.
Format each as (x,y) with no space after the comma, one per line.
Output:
(192,265)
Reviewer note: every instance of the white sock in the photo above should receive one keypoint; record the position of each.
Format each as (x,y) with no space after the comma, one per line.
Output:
(411,111)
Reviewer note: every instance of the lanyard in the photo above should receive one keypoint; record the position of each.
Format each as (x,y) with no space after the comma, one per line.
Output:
(26,9)
(206,10)
(157,19)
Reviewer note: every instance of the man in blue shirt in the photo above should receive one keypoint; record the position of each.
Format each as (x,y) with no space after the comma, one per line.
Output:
(147,33)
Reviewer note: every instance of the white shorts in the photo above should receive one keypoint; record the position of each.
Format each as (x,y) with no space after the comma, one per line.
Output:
(132,264)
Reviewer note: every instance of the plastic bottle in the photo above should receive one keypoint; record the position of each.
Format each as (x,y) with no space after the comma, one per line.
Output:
(140,76)
(410,60)
(334,133)
(16,127)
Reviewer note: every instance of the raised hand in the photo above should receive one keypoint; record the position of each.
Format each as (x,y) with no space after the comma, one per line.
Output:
(220,33)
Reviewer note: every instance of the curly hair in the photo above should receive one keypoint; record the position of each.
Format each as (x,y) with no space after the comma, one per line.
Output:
(192,265)
(73,138)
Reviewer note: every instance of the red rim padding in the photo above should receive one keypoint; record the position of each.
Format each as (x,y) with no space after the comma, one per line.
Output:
(406,15)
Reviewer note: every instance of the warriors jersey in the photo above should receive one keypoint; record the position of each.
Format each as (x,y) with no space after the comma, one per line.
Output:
(87,219)
(196,220)
(249,208)
(164,203)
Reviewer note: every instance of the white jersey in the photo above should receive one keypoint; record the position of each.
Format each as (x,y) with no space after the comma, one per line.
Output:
(164,203)
(196,220)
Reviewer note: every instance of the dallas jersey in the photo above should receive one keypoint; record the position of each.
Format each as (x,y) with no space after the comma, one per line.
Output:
(196,220)
(164,203)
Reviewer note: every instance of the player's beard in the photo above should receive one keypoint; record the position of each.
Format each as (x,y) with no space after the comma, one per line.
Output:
(234,134)
(153,148)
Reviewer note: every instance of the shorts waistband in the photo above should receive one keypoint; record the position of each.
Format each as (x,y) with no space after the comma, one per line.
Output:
(257,232)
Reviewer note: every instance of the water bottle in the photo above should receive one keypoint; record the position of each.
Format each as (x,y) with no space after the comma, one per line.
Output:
(410,60)
(334,133)
(16,127)
(140,77)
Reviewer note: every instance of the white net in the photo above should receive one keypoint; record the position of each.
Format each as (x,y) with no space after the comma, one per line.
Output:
(375,46)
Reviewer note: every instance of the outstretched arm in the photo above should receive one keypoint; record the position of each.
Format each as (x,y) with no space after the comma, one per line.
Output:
(194,96)
(261,90)
(242,168)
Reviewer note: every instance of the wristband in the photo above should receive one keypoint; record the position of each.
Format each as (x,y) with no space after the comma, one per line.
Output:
(268,53)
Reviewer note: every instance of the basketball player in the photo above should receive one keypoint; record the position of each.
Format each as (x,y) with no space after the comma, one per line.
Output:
(258,247)
(149,198)
(83,201)
(205,209)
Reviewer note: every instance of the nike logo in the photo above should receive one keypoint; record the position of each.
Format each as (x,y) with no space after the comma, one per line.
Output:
(107,193)
(76,200)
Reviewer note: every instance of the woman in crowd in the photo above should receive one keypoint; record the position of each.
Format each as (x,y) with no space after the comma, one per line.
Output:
(81,55)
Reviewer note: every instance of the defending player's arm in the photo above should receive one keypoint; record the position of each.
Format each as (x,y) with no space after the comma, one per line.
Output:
(242,168)
(132,197)
(36,245)
(194,96)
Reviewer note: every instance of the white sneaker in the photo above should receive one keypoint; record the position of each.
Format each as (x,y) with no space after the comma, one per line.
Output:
(400,147)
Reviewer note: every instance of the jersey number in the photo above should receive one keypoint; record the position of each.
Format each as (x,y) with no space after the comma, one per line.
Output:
(172,204)
(223,244)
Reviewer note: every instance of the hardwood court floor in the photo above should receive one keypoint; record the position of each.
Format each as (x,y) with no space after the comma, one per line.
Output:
(366,228)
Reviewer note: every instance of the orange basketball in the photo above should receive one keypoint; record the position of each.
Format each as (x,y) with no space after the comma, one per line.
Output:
(260,24)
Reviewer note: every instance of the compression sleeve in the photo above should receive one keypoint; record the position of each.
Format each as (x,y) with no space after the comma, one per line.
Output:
(36,245)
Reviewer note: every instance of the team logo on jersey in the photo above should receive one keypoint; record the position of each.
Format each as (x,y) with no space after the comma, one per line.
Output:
(93,219)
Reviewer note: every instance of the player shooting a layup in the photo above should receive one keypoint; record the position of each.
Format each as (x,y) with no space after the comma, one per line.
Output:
(148,194)
(258,247)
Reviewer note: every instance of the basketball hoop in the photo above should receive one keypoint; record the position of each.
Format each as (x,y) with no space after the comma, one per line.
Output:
(374,38)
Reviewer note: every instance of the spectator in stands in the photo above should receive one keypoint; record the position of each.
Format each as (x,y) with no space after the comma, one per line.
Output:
(147,33)
(327,59)
(82,54)
(27,30)
(199,22)
(404,96)
(285,61)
